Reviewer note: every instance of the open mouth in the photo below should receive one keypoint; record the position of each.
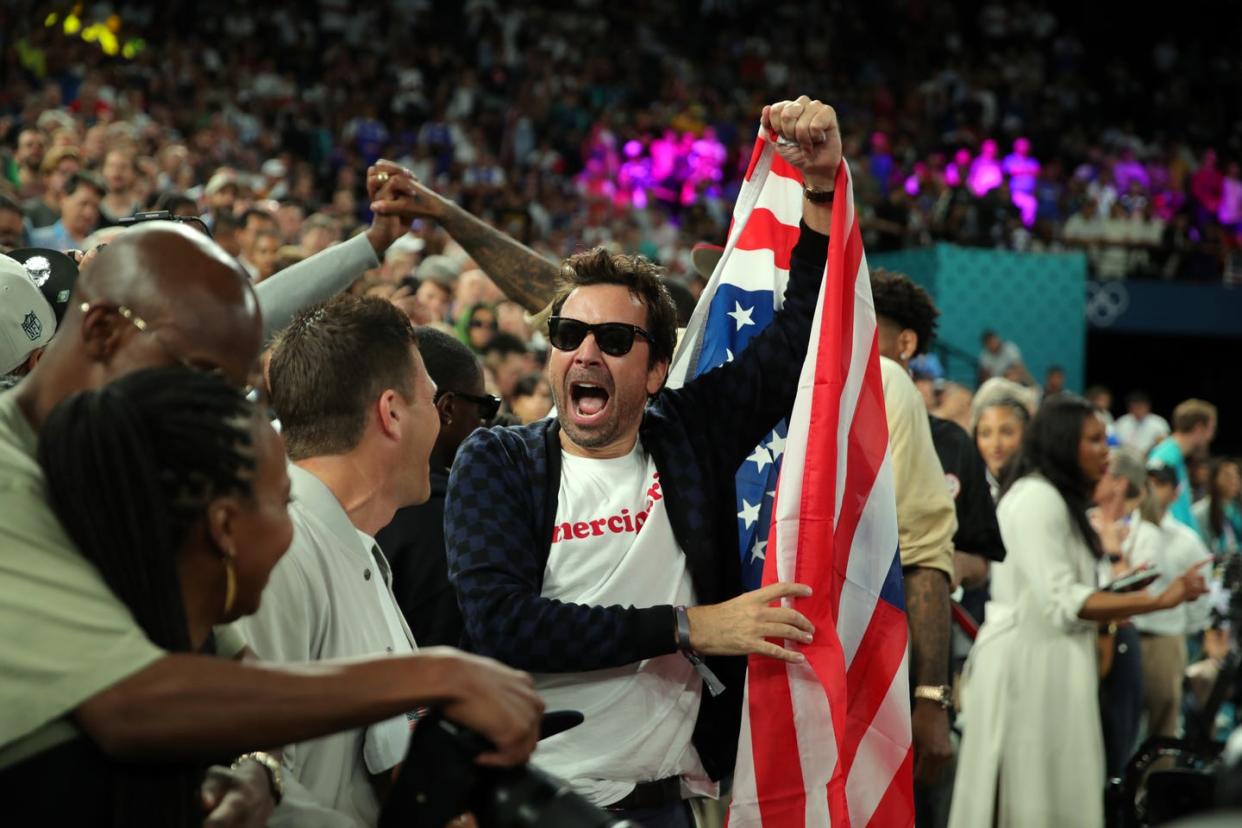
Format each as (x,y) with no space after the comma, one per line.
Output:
(588,402)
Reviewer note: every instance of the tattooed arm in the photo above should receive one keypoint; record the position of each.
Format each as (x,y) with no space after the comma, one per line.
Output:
(523,275)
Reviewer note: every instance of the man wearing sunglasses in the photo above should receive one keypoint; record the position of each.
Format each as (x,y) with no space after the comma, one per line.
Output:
(414,540)
(599,550)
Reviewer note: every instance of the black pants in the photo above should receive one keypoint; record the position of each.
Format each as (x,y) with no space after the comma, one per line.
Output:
(1121,701)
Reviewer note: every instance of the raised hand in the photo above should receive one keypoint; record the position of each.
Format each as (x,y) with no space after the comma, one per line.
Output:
(808,136)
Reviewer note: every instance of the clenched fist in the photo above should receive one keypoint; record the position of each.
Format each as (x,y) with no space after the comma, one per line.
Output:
(809,138)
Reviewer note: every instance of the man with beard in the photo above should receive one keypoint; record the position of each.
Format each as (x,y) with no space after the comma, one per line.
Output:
(598,549)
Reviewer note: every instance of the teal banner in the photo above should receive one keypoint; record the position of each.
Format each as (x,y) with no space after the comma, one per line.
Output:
(1035,300)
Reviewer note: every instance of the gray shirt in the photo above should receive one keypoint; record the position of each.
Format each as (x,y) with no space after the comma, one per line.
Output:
(312,280)
(330,597)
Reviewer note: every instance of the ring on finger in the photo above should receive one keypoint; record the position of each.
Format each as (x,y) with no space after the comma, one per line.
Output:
(382,177)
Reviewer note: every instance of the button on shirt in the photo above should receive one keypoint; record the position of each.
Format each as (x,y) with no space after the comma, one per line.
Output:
(331,597)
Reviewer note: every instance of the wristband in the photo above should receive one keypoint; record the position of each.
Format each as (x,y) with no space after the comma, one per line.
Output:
(713,684)
(817,196)
(683,629)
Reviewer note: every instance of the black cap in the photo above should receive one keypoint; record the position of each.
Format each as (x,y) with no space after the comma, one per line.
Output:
(54,273)
(1162,473)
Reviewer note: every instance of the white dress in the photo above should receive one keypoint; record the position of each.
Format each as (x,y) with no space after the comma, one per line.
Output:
(1032,748)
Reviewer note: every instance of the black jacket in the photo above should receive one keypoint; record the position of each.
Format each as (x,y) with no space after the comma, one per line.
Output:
(502,502)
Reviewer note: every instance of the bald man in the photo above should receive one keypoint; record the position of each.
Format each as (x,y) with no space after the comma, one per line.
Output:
(75,664)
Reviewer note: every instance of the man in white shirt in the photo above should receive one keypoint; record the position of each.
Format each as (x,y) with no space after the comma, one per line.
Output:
(1138,428)
(358,418)
(600,548)
(997,357)
(1164,542)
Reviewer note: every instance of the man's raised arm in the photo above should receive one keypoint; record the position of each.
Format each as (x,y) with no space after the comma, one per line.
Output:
(525,277)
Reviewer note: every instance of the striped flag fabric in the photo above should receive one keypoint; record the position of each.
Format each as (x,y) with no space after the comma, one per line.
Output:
(826,742)
(740,299)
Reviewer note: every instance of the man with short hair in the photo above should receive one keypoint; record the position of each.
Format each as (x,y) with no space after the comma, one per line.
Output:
(359,421)
(79,214)
(120,176)
(252,221)
(58,164)
(946,521)
(1054,381)
(414,540)
(319,232)
(28,155)
(76,664)
(263,252)
(1194,427)
(1139,428)
(599,548)
(508,358)
(12,228)
(225,228)
(435,295)
(1101,397)
(997,357)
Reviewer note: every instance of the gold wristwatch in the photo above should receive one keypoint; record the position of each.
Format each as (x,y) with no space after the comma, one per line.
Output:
(942,695)
(275,776)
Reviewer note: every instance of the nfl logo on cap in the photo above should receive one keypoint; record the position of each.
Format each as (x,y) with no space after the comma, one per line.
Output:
(32,326)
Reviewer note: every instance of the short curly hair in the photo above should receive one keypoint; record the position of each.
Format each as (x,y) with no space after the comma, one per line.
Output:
(898,299)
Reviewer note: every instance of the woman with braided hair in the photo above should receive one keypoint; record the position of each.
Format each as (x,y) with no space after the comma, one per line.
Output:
(176,491)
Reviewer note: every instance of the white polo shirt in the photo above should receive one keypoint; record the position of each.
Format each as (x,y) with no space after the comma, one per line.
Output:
(613,544)
(1173,548)
(330,597)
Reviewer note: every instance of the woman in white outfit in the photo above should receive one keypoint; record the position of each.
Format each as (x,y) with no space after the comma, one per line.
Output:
(1032,751)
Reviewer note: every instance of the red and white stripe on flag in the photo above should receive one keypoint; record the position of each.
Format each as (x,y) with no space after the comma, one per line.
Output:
(828,742)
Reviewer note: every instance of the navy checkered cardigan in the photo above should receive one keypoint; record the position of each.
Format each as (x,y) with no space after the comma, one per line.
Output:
(501,507)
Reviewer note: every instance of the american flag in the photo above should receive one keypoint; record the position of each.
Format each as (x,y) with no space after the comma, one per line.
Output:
(827,741)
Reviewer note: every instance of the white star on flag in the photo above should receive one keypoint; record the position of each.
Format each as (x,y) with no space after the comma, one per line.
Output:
(749,513)
(728,355)
(772,493)
(776,445)
(760,458)
(759,551)
(740,316)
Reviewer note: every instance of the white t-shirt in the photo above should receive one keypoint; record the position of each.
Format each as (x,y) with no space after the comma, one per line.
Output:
(996,364)
(613,544)
(1173,548)
(1141,435)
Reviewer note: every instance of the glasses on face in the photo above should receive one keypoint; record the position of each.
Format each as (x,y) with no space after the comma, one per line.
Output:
(613,338)
(489,405)
(249,390)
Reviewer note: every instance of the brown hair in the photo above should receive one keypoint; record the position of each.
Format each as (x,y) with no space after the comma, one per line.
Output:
(1192,413)
(330,365)
(640,275)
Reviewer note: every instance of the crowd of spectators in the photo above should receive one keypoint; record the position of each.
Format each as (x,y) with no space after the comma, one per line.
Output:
(1018,136)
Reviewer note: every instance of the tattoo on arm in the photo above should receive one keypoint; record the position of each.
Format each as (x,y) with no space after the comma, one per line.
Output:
(523,275)
(927,609)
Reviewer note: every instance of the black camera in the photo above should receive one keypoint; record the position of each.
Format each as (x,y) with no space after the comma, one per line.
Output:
(440,780)
(164,215)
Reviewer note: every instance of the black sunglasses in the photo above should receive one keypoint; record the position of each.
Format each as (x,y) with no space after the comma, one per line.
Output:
(489,406)
(613,338)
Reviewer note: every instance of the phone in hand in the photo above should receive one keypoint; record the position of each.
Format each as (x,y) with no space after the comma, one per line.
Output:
(1134,581)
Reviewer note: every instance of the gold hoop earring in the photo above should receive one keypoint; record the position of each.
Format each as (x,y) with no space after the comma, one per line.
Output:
(230,584)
